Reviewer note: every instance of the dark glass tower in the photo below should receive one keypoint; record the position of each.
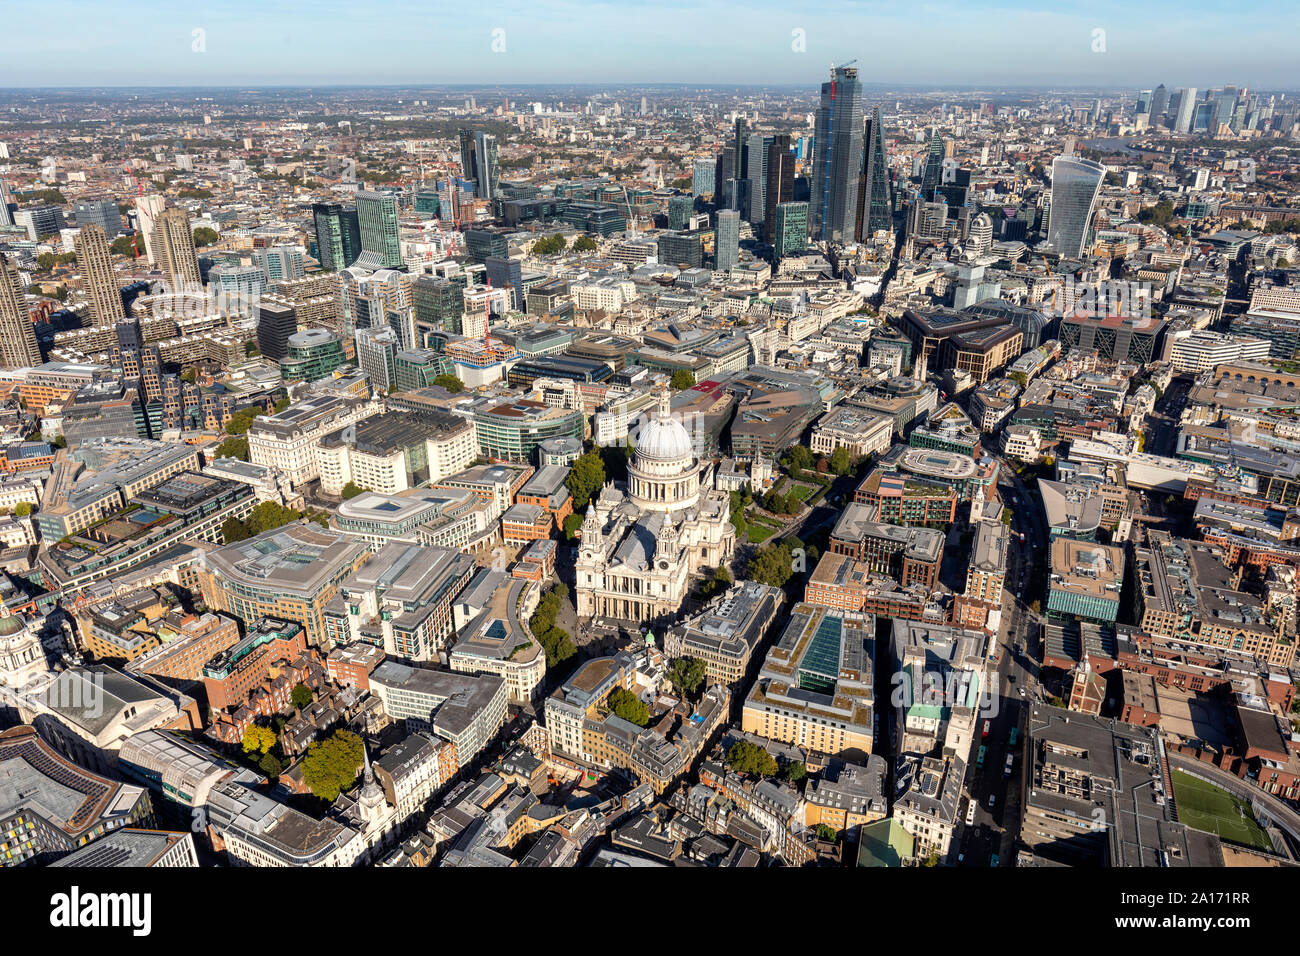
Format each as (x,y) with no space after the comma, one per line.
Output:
(338,235)
(837,157)
(780,180)
(875,205)
(932,175)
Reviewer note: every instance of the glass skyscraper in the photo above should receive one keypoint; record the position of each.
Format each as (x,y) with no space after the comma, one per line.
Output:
(702,178)
(377,218)
(932,175)
(338,235)
(727,248)
(1075,185)
(875,206)
(789,229)
(837,157)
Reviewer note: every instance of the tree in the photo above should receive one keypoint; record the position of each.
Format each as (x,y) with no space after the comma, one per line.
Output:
(800,458)
(625,704)
(258,739)
(123,246)
(795,771)
(232,530)
(242,419)
(687,674)
(351,490)
(270,765)
(236,446)
(585,478)
(585,244)
(301,695)
(331,765)
(683,379)
(827,832)
(572,525)
(450,382)
(190,375)
(204,236)
(771,565)
(282,404)
(749,758)
(841,461)
(23,509)
(549,245)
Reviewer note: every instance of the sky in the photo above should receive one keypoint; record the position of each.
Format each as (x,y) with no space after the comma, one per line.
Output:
(1009,43)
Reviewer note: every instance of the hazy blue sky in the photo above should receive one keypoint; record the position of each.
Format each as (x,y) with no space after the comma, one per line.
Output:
(1011,42)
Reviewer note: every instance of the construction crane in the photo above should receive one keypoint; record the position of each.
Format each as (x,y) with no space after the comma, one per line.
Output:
(139,192)
(834,68)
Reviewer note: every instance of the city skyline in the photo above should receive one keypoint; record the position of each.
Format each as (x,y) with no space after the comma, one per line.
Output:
(238,44)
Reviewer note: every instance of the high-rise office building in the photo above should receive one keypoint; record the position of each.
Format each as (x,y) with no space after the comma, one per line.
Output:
(18,347)
(837,156)
(486,173)
(174,240)
(727,243)
(468,156)
(1159,102)
(280,262)
(96,265)
(932,173)
(1186,110)
(875,205)
(757,176)
(338,235)
(1075,185)
(789,229)
(275,323)
(679,211)
(740,151)
(702,177)
(380,238)
(780,180)
(100,212)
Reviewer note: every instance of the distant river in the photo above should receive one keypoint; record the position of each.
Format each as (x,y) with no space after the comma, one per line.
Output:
(1111,145)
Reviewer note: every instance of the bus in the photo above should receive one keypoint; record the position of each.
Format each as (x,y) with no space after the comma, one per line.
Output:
(979,758)
(1011,741)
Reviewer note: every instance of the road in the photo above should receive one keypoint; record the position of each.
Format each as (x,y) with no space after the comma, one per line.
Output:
(996,828)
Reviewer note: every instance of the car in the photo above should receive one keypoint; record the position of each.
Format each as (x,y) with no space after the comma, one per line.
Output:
(1022,692)
(993,799)
(993,860)
(960,857)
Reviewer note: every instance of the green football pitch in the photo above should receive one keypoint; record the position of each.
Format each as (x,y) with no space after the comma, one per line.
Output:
(1206,807)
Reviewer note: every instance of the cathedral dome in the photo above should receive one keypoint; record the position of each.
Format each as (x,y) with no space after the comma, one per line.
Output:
(663,439)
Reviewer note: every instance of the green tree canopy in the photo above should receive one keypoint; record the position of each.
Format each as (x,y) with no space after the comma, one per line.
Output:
(549,245)
(301,695)
(331,765)
(687,674)
(450,382)
(771,565)
(683,379)
(585,478)
(203,235)
(236,446)
(625,704)
(841,461)
(351,490)
(749,758)
(585,244)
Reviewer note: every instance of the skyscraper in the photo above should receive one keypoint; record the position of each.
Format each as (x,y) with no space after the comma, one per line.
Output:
(468,158)
(338,235)
(932,174)
(96,264)
(1159,102)
(702,178)
(485,159)
(837,157)
(174,241)
(1075,185)
(789,229)
(757,176)
(18,347)
(377,218)
(1186,110)
(875,206)
(727,244)
(780,180)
